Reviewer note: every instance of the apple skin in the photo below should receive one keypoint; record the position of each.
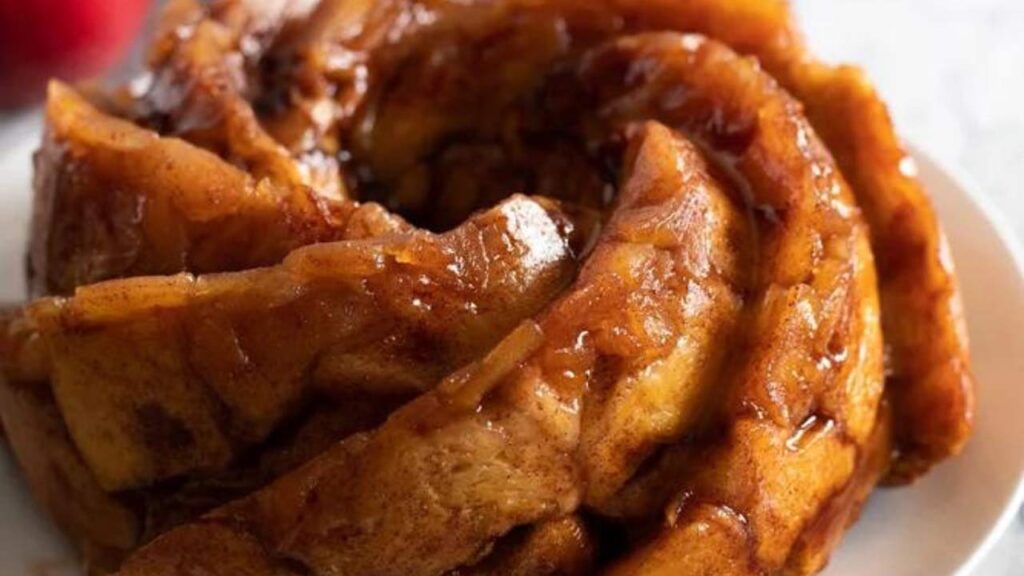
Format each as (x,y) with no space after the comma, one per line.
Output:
(66,39)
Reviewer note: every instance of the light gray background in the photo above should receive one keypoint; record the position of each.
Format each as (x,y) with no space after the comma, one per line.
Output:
(952,72)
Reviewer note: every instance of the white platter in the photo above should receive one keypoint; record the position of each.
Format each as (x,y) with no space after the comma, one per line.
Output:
(943,525)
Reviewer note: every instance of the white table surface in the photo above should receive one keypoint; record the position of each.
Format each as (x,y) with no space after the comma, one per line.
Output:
(952,72)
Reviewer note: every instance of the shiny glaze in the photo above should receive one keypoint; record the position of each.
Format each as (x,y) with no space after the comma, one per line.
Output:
(211,365)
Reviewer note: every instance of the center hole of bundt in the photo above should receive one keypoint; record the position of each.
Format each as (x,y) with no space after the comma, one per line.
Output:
(467,173)
(468,120)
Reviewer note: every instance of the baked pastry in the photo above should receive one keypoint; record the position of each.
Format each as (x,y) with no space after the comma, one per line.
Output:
(723,315)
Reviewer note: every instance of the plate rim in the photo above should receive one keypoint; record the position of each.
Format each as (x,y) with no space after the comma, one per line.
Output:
(962,181)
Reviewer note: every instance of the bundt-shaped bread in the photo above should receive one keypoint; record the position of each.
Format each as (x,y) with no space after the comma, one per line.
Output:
(425,287)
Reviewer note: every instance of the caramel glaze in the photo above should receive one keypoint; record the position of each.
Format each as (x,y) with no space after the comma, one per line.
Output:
(217,362)
(559,410)
(104,526)
(113,199)
(930,380)
(710,385)
(100,524)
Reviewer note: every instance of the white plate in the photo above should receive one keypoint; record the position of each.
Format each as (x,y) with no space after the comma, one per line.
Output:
(942,525)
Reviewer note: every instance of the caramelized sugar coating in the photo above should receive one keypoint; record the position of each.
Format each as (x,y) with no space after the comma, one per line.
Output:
(101,526)
(114,199)
(193,370)
(559,546)
(495,269)
(310,75)
(499,443)
(700,389)
(929,380)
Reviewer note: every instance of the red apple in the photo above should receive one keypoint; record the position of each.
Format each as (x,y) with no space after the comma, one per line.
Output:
(67,39)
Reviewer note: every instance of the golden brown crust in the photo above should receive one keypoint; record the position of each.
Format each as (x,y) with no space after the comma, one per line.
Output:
(100,524)
(560,547)
(802,390)
(922,315)
(193,370)
(929,379)
(113,199)
(409,474)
